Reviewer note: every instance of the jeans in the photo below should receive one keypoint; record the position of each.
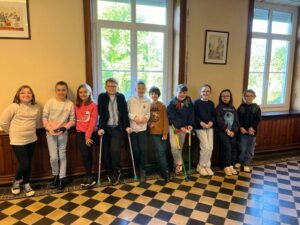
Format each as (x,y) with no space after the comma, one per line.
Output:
(228,149)
(247,147)
(113,141)
(24,155)
(206,138)
(161,151)
(139,142)
(86,152)
(57,146)
(174,146)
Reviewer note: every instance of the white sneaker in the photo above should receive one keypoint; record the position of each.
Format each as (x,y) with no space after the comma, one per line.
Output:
(247,169)
(237,165)
(209,171)
(233,171)
(16,189)
(227,171)
(203,172)
(28,190)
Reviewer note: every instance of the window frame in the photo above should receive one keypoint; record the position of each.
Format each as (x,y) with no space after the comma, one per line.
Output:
(269,37)
(133,27)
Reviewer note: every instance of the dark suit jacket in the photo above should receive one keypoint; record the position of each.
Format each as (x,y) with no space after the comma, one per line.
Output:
(103,101)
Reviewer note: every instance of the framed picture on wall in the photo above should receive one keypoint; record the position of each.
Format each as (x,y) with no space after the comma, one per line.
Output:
(216,45)
(14,19)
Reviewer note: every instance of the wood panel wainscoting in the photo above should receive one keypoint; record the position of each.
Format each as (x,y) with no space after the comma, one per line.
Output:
(277,132)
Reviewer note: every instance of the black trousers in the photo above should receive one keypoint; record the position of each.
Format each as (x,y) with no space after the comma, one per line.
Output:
(86,152)
(228,149)
(139,142)
(24,155)
(113,142)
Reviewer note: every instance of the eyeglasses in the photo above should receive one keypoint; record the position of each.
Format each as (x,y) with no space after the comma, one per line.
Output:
(111,86)
(225,96)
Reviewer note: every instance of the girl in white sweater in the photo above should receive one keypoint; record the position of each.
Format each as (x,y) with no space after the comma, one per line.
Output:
(20,120)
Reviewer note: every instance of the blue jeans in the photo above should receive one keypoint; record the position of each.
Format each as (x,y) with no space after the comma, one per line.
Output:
(161,151)
(247,146)
(57,146)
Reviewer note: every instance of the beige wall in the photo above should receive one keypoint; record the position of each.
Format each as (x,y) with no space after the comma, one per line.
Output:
(55,51)
(231,16)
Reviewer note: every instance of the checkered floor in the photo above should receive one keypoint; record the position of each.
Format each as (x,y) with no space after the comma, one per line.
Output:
(269,195)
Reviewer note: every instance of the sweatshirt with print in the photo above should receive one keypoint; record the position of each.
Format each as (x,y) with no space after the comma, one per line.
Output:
(158,122)
(86,118)
(140,107)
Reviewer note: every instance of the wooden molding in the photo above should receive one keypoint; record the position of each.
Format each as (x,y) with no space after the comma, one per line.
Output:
(88,42)
(248,44)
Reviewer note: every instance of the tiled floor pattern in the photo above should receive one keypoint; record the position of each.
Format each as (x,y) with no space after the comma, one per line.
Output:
(269,195)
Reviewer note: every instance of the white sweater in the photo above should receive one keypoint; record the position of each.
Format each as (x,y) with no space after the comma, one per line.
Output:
(140,107)
(20,122)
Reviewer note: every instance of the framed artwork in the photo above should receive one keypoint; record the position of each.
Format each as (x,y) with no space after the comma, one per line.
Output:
(216,45)
(14,19)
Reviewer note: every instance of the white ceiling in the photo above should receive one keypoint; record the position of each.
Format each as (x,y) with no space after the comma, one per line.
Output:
(282,2)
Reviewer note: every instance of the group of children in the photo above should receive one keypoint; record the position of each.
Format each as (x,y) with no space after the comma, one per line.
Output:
(139,119)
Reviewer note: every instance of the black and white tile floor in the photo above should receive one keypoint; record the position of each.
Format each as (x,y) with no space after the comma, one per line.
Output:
(269,195)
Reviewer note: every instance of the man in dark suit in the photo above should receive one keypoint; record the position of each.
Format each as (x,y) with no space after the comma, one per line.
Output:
(113,123)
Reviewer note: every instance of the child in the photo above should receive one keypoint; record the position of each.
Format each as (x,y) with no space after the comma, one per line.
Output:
(158,129)
(181,118)
(20,120)
(113,122)
(204,120)
(58,117)
(249,117)
(139,114)
(228,126)
(86,119)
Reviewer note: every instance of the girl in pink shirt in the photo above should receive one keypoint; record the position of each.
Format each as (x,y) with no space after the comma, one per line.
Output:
(86,119)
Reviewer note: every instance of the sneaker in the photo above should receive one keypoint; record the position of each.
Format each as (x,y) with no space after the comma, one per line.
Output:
(233,171)
(84,182)
(90,182)
(54,182)
(227,171)
(247,169)
(116,177)
(28,190)
(61,185)
(203,171)
(209,171)
(237,165)
(15,188)
(109,179)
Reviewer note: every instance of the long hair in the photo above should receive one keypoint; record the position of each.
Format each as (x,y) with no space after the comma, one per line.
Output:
(220,97)
(89,89)
(17,96)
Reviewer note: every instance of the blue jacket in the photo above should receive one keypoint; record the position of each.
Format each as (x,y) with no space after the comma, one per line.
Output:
(180,113)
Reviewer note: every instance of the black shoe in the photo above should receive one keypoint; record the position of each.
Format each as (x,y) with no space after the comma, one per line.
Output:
(90,182)
(116,177)
(61,185)
(167,176)
(84,182)
(109,179)
(142,176)
(54,182)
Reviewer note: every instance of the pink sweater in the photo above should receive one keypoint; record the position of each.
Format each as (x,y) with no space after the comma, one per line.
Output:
(86,118)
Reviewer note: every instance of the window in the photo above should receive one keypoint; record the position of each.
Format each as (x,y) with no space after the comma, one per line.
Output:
(272,55)
(133,42)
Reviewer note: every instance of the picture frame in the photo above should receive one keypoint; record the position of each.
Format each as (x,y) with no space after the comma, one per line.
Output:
(216,47)
(14,19)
